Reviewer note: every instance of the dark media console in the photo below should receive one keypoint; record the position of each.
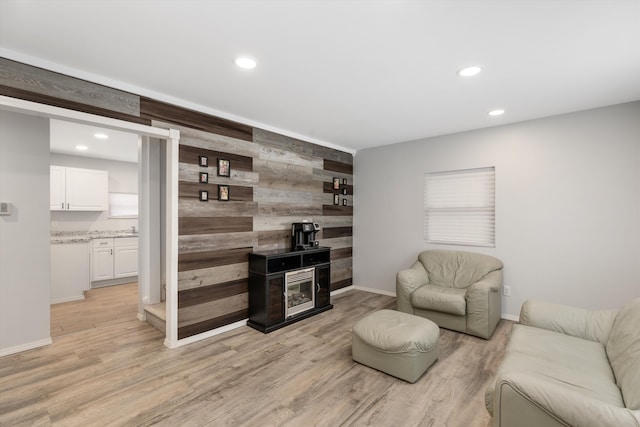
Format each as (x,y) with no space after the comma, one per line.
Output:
(287,286)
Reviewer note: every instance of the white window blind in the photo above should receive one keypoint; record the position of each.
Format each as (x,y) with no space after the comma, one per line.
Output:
(459,207)
(123,205)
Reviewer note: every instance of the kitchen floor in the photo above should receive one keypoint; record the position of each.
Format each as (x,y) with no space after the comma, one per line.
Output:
(100,307)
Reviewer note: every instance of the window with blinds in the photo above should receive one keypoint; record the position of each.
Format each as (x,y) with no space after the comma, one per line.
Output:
(459,207)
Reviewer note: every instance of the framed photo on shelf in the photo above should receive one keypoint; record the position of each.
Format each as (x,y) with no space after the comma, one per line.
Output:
(223,193)
(204,196)
(344,181)
(344,202)
(204,177)
(224,167)
(203,161)
(336,183)
(336,199)
(344,191)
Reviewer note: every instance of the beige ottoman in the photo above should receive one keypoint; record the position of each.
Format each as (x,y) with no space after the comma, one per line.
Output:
(396,343)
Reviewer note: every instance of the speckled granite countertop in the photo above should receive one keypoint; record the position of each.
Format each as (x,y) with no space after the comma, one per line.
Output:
(58,237)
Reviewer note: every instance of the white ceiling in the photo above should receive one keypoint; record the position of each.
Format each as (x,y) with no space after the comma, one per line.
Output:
(352,74)
(65,136)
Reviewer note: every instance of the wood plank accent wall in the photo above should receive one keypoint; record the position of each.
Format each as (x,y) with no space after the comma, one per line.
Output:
(275,180)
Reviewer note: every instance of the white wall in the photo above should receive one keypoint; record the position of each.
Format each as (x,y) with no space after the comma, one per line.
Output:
(24,236)
(567,205)
(123,178)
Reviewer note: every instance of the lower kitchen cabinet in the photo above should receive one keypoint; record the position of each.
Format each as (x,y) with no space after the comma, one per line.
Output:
(114,258)
(69,271)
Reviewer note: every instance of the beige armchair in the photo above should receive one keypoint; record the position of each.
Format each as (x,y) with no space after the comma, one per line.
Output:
(456,290)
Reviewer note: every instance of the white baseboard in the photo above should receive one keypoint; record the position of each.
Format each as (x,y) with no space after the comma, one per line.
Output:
(67,299)
(375,291)
(25,347)
(512,317)
(341,290)
(205,335)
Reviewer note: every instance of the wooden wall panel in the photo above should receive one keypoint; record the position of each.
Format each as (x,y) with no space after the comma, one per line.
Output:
(206,259)
(211,225)
(157,110)
(189,154)
(206,242)
(275,180)
(340,167)
(55,85)
(196,296)
(331,232)
(212,276)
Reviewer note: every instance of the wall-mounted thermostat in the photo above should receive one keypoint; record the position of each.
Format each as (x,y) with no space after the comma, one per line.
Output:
(5,208)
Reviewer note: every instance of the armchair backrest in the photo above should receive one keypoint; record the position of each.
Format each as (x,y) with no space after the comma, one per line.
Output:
(457,269)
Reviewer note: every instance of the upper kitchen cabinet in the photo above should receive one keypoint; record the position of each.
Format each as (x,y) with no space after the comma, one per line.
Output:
(74,189)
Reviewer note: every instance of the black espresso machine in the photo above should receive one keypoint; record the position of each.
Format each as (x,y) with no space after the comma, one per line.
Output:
(303,235)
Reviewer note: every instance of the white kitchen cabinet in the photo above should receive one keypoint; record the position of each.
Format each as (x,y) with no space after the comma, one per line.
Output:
(69,271)
(102,260)
(74,189)
(125,263)
(58,198)
(114,258)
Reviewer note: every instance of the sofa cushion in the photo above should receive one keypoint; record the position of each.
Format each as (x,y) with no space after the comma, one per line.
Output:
(440,298)
(623,349)
(456,268)
(566,364)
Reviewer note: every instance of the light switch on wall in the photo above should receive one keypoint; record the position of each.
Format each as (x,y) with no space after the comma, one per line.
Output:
(5,208)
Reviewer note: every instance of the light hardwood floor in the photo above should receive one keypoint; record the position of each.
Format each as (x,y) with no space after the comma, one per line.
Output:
(119,373)
(100,306)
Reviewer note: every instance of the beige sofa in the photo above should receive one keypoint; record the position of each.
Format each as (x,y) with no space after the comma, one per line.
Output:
(566,366)
(455,289)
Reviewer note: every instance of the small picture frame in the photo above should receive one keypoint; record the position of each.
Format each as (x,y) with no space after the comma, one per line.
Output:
(344,202)
(336,183)
(223,193)
(344,191)
(203,161)
(204,177)
(336,199)
(344,181)
(224,167)
(204,196)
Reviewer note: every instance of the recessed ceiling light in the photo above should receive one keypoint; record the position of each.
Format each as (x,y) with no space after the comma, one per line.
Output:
(496,112)
(246,63)
(469,71)
(101,135)
(82,147)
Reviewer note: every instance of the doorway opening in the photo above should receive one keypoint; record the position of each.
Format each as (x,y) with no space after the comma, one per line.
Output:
(94,225)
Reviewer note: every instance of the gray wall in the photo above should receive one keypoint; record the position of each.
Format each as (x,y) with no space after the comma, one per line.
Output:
(123,178)
(567,205)
(24,236)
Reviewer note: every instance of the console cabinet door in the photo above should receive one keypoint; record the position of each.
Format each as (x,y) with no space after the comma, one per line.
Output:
(275,311)
(323,286)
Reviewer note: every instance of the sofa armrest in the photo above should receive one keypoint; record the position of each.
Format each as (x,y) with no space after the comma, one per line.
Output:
(593,325)
(408,281)
(520,399)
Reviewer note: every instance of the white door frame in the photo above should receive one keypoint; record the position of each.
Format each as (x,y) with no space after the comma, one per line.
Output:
(172,138)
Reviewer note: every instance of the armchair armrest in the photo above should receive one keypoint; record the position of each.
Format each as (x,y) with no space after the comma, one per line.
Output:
(408,281)
(484,303)
(593,325)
